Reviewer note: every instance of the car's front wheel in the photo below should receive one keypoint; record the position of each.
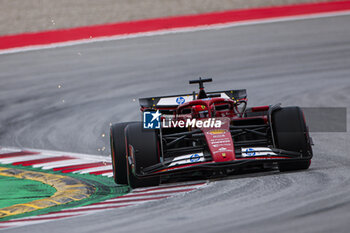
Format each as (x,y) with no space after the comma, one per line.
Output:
(142,151)
(291,134)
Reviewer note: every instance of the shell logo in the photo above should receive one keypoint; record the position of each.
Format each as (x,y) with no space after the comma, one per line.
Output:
(217,131)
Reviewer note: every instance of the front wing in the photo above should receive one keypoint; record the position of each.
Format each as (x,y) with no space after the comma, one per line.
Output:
(246,157)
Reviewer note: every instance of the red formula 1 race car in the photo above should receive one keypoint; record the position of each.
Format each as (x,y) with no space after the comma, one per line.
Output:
(211,133)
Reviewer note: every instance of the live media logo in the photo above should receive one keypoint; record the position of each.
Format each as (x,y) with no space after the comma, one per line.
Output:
(151,120)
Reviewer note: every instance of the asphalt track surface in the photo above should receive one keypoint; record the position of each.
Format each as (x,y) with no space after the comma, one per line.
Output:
(304,63)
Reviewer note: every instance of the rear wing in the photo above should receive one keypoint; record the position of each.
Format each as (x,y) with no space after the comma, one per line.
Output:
(172,101)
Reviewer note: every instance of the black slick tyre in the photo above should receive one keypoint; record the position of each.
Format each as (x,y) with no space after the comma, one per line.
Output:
(143,150)
(291,134)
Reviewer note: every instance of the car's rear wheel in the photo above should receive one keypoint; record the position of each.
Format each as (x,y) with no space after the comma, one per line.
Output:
(291,133)
(118,152)
(143,151)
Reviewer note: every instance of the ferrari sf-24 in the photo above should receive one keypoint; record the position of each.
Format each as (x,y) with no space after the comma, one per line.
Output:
(212,133)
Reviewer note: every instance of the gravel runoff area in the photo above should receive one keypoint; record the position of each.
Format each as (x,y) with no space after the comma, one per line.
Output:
(18,16)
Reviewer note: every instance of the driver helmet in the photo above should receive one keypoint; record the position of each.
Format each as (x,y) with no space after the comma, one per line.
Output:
(200,111)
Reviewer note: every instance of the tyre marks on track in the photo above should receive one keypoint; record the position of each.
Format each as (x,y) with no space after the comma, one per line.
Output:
(81,163)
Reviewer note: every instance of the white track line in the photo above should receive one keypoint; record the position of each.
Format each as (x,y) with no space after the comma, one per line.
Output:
(94,169)
(170,186)
(92,158)
(107,206)
(137,199)
(5,150)
(110,174)
(64,163)
(24,158)
(33,220)
(58,214)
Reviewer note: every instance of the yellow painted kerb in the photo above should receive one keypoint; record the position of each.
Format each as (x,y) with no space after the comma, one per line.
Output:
(68,189)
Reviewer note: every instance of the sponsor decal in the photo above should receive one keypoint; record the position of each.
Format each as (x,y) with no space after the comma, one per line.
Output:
(222,142)
(222,149)
(250,152)
(217,131)
(216,135)
(151,120)
(165,101)
(194,158)
(257,151)
(185,159)
(177,100)
(180,100)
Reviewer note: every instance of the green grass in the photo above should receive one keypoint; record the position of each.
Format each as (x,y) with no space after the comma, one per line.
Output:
(105,189)
(17,191)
